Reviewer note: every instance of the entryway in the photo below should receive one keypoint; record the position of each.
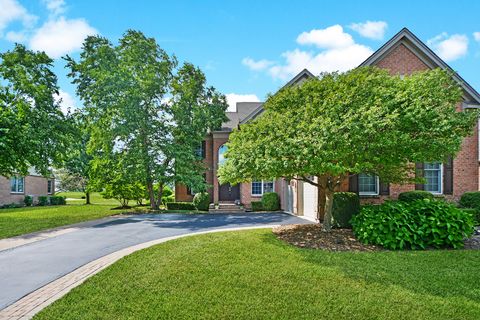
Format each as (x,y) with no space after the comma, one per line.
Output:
(227,192)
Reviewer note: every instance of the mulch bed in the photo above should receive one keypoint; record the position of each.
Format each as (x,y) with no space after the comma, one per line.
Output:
(311,236)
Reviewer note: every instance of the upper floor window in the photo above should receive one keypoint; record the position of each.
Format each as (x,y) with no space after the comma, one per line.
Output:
(221,154)
(432,172)
(261,187)
(368,185)
(200,150)
(49,186)
(17,184)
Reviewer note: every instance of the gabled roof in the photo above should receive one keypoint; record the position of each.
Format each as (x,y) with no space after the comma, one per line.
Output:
(299,78)
(425,54)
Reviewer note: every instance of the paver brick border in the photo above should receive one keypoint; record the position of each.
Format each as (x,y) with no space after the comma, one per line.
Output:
(32,303)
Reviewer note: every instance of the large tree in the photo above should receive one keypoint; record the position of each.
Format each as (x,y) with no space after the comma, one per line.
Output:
(361,121)
(145,115)
(34,133)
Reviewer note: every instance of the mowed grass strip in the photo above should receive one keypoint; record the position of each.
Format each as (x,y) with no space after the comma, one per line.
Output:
(252,275)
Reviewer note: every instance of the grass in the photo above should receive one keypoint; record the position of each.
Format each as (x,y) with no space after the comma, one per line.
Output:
(252,275)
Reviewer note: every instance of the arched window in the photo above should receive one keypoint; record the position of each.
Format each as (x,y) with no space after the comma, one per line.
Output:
(221,154)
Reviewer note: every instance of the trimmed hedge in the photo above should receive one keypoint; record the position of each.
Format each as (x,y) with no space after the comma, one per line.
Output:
(418,224)
(410,196)
(345,206)
(180,206)
(28,200)
(270,201)
(257,206)
(201,201)
(42,200)
(470,200)
(57,200)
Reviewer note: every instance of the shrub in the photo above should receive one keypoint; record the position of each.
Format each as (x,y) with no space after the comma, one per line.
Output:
(28,200)
(12,205)
(410,196)
(42,200)
(270,201)
(201,201)
(180,206)
(345,206)
(257,206)
(167,195)
(475,214)
(418,224)
(470,200)
(57,200)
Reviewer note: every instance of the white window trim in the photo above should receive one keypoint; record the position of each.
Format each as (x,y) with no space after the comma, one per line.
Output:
(261,194)
(17,192)
(441,181)
(377,181)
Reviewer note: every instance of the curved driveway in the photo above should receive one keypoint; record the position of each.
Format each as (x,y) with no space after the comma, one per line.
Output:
(26,268)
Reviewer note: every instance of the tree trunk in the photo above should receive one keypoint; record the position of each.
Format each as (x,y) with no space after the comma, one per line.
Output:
(327,220)
(320,201)
(87,198)
(160,194)
(151,195)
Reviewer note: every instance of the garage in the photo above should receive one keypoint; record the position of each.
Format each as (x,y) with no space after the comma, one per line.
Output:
(309,201)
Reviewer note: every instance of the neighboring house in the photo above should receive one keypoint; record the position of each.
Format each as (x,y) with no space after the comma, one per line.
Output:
(15,188)
(402,54)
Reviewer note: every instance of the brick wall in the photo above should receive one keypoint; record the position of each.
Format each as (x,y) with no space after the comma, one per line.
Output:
(33,185)
(401,60)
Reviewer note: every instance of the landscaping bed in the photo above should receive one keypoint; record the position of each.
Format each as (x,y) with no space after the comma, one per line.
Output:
(311,236)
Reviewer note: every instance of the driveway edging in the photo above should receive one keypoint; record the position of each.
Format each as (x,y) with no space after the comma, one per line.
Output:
(34,302)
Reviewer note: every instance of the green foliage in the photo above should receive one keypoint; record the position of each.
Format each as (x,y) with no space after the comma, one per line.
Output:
(11,205)
(33,130)
(475,214)
(180,206)
(345,206)
(417,225)
(132,126)
(167,195)
(270,201)
(257,206)
(410,196)
(43,201)
(470,200)
(57,200)
(201,201)
(28,200)
(361,121)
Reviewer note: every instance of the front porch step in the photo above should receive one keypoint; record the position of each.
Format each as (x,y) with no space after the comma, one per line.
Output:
(226,208)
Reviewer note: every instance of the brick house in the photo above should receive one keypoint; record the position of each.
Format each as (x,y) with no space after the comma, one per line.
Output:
(403,54)
(15,188)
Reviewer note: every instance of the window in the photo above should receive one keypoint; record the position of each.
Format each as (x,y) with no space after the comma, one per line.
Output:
(368,185)
(16,184)
(200,150)
(221,154)
(49,186)
(261,187)
(433,177)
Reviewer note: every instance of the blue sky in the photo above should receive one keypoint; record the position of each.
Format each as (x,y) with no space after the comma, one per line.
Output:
(248,48)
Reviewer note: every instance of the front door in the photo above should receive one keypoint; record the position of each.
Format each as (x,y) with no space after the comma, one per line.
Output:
(228,192)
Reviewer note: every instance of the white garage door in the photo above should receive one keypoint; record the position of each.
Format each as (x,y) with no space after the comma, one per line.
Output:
(309,201)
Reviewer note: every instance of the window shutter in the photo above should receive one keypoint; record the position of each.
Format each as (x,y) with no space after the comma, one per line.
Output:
(353,183)
(204,147)
(419,174)
(384,188)
(448,176)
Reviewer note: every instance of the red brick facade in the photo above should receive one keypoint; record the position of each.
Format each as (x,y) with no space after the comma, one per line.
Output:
(33,186)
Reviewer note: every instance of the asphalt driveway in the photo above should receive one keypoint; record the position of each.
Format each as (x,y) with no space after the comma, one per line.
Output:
(26,268)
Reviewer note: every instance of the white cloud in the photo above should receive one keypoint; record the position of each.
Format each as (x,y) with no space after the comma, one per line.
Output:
(233,98)
(61,36)
(256,65)
(476,36)
(16,36)
(67,102)
(56,7)
(12,11)
(328,38)
(370,29)
(449,48)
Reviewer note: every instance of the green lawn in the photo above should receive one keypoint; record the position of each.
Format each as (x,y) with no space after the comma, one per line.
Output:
(95,198)
(252,275)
